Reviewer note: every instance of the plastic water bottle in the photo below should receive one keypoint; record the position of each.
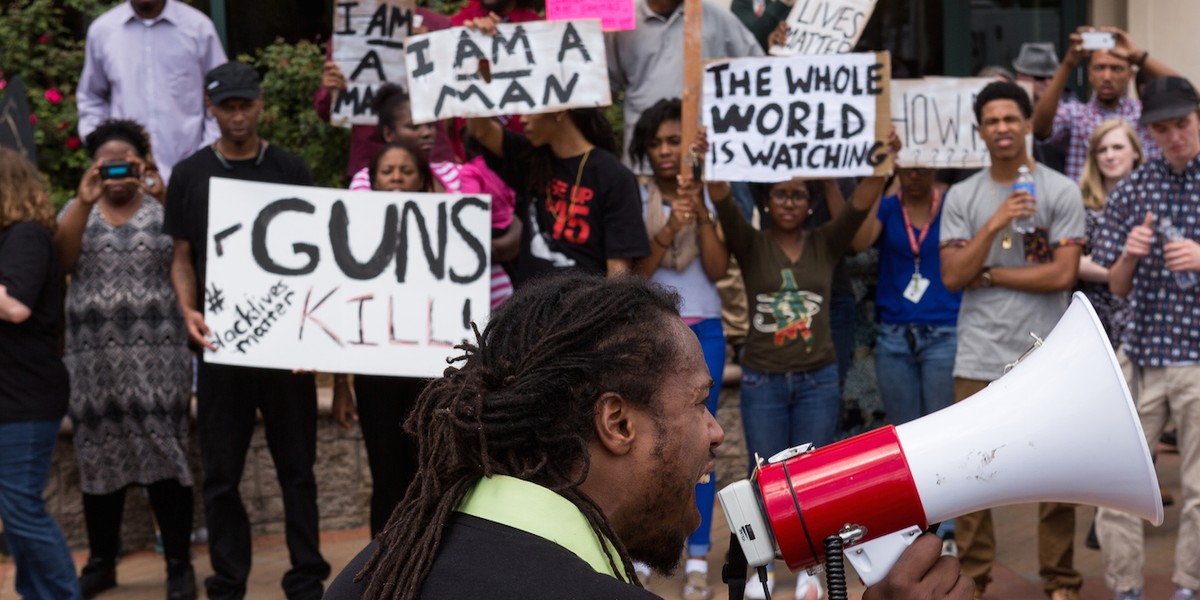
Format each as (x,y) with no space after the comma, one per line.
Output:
(1183,279)
(1024,182)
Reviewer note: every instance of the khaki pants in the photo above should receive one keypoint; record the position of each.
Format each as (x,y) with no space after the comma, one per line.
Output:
(1160,394)
(976,535)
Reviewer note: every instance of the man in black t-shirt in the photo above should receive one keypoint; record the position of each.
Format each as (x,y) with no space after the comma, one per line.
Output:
(228,397)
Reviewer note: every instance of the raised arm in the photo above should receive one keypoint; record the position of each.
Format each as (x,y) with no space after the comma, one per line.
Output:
(69,235)
(1047,105)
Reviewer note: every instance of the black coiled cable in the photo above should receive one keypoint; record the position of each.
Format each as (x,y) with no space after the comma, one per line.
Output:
(835,568)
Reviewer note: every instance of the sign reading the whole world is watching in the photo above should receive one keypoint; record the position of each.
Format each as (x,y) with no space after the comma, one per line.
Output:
(381,283)
(773,118)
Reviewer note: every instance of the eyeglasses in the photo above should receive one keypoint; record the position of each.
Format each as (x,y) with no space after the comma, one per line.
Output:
(784,196)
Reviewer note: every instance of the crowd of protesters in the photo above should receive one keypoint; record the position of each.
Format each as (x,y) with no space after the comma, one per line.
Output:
(959,286)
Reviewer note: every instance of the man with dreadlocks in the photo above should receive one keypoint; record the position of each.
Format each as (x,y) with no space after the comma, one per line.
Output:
(567,443)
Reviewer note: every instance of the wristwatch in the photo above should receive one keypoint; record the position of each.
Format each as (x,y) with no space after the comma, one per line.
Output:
(985,278)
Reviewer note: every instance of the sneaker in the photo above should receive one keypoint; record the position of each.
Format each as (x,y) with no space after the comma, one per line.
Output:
(643,572)
(696,586)
(754,588)
(950,548)
(1182,593)
(808,587)
(1065,594)
(1129,595)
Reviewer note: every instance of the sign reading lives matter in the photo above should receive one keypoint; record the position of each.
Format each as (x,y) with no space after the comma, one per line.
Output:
(526,68)
(344,282)
(614,15)
(368,46)
(935,120)
(825,26)
(770,119)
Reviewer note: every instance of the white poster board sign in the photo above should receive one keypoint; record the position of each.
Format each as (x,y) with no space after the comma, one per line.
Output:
(525,68)
(771,119)
(825,26)
(368,46)
(343,282)
(935,120)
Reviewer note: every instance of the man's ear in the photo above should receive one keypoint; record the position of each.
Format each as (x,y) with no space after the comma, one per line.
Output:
(208,106)
(614,421)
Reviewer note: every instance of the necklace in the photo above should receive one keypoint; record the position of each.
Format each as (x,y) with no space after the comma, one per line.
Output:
(1006,242)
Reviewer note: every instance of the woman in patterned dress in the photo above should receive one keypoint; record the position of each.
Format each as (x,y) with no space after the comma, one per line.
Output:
(127,355)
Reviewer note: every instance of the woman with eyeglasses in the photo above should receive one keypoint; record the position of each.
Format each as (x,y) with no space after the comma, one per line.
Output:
(790,393)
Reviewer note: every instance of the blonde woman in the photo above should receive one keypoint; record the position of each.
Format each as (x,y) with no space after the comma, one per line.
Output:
(1113,153)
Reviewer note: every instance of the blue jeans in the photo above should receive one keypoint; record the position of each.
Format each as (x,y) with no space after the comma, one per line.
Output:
(781,410)
(915,368)
(712,343)
(39,550)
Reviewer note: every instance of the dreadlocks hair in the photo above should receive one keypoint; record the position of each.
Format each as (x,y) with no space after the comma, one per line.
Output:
(521,403)
(594,127)
(663,111)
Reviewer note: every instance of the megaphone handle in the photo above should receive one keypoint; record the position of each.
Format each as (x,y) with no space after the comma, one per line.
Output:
(872,560)
(734,571)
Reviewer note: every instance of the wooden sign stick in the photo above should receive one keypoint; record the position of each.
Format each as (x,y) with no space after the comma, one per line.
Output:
(693,76)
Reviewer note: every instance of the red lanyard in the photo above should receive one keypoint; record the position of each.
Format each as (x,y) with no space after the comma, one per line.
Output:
(913,241)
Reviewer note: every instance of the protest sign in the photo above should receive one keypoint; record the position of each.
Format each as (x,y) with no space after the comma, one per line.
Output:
(368,46)
(935,119)
(614,15)
(770,119)
(525,68)
(825,26)
(343,282)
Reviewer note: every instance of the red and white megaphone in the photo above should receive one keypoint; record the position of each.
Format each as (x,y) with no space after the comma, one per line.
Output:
(1058,427)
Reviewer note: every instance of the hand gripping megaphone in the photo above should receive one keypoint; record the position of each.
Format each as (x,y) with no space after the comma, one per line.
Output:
(1059,427)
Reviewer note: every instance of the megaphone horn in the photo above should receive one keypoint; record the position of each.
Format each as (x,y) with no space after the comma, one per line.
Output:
(1059,427)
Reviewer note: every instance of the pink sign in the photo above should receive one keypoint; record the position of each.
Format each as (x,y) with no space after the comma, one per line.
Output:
(614,15)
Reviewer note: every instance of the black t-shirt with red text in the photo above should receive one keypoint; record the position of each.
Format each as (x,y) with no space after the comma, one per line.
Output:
(568,227)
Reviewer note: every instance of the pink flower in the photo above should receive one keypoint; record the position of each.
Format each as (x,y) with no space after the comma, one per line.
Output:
(53,96)
(33,119)
(3,83)
(74,143)
(43,39)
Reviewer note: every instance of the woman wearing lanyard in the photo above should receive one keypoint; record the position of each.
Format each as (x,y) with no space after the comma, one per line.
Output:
(914,353)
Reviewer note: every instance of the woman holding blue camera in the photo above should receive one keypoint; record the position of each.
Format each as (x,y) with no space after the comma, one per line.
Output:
(126,351)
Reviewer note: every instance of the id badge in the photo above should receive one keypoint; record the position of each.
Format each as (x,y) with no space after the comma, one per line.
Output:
(916,288)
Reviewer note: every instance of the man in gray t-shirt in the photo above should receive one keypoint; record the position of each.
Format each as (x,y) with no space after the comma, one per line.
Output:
(1016,284)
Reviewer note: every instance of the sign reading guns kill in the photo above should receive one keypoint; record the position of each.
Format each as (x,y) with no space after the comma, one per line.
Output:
(526,68)
(368,47)
(343,282)
(771,119)
(935,119)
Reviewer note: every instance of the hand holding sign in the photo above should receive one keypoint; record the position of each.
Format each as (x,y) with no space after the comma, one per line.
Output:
(823,27)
